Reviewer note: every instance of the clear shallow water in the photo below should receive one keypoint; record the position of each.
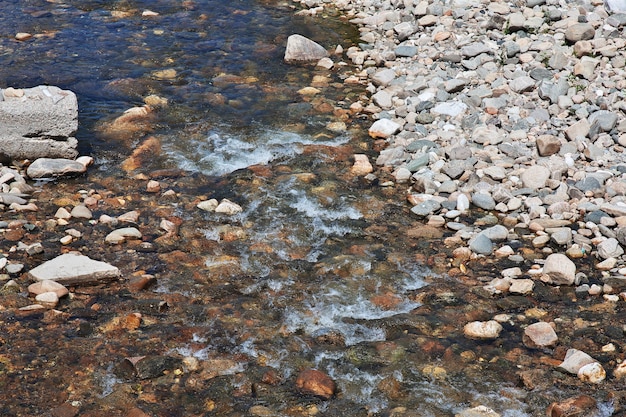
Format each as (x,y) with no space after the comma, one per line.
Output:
(304,282)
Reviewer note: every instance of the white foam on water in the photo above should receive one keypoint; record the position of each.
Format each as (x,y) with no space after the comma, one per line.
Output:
(222,152)
(358,385)
(108,382)
(313,209)
(333,311)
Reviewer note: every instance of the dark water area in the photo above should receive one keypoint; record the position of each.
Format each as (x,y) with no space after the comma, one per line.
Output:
(110,55)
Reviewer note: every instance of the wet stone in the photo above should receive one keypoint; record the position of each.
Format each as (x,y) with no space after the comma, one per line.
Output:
(540,335)
(482,330)
(317,383)
(155,366)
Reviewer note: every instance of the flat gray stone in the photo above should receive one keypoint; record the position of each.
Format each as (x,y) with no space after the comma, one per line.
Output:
(481,244)
(54,167)
(74,268)
(475,49)
(425,208)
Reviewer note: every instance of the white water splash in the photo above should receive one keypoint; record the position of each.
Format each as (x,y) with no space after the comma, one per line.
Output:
(223,152)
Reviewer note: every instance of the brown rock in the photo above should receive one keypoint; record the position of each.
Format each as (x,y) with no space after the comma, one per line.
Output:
(580,406)
(133,123)
(548,145)
(425,232)
(148,150)
(131,321)
(48,286)
(65,410)
(314,382)
(136,412)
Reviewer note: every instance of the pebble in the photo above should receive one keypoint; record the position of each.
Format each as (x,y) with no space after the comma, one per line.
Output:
(121,235)
(483,329)
(540,335)
(560,269)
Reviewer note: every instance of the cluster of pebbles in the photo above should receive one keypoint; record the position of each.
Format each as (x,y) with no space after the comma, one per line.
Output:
(513,110)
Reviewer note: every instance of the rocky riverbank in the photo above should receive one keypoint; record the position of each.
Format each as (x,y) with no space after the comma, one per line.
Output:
(504,125)
(497,131)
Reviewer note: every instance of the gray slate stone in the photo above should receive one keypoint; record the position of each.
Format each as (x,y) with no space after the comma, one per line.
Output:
(49,167)
(483,201)
(481,244)
(425,208)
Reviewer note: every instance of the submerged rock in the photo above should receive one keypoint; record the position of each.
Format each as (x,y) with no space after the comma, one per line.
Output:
(482,329)
(314,382)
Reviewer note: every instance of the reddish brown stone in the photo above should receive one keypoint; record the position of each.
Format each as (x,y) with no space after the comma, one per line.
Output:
(386,301)
(141,282)
(136,412)
(65,410)
(579,406)
(314,382)
(14,235)
(143,154)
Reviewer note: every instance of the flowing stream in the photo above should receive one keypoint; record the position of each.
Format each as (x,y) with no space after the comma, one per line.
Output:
(316,271)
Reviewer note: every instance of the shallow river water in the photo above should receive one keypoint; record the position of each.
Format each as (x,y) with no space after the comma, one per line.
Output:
(316,272)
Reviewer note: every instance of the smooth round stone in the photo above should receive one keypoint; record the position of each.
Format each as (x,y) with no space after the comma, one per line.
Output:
(452,214)
(482,329)
(593,373)
(81,212)
(483,201)
(560,269)
(208,205)
(522,286)
(48,299)
(610,248)
(14,268)
(425,208)
(458,226)
(481,244)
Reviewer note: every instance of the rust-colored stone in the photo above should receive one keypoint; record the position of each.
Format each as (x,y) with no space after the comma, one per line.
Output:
(148,150)
(65,410)
(386,301)
(314,382)
(136,412)
(579,406)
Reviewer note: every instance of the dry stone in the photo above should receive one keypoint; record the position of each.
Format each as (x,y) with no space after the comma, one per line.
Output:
(301,49)
(38,122)
(560,269)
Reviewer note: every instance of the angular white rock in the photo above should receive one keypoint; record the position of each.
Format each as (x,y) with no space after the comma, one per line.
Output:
(74,268)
